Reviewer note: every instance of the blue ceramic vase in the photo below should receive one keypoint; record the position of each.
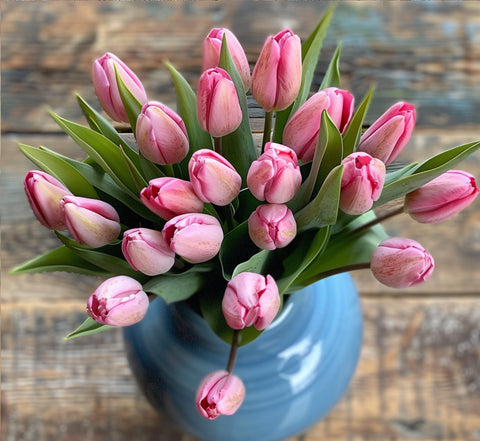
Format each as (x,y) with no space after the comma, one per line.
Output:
(294,373)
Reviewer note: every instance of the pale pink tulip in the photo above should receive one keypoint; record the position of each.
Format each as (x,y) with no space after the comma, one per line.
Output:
(362,182)
(275,176)
(400,263)
(219,393)
(146,251)
(44,193)
(250,300)
(161,134)
(90,221)
(214,179)
(169,197)
(442,197)
(119,301)
(106,88)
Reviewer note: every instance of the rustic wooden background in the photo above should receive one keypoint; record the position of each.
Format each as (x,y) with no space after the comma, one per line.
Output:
(419,373)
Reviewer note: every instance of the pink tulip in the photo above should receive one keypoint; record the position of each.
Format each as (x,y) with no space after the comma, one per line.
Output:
(195,237)
(250,299)
(44,194)
(105,84)
(275,176)
(388,135)
(119,301)
(218,108)
(169,197)
(146,251)
(212,46)
(277,74)
(302,129)
(219,393)
(400,263)
(362,182)
(443,197)
(213,178)
(91,222)
(272,226)
(161,134)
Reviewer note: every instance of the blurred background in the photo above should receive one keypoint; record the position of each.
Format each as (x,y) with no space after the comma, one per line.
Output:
(419,375)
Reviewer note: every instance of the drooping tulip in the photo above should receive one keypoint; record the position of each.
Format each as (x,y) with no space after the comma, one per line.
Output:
(400,263)
(196,237)
(118,301)
(146,251)
(362,182)
(442,197)
(218,108)
(219,393)
(214,179)
(169,197)
(212,46)
(389,134)
(90,221)
(303,128)
(272,226)
(44,193)
(250,300)
(161,134)
(106,88)
(277,75)
(275,176)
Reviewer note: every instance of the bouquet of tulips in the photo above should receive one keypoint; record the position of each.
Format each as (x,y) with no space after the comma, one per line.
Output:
(191,206)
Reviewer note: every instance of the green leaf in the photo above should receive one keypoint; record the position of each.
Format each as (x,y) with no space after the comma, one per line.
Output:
(60,169)
(132,106)
(105,153)
(59,259)
(238,147)
(256,264)
(352,135)
(88,327)
(426,171)
(332,75)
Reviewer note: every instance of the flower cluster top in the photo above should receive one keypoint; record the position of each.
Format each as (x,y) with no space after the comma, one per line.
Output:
(192,198)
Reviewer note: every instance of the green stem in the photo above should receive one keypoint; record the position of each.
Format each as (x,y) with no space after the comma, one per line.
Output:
(267,128)
(233,352)
(379,220)
(217,145)
(168,169)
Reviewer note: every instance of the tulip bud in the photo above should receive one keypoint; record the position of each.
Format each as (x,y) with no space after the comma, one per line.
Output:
(218,107)
(44,194)
(91,222)
(275,176)
(362,182)
(250,299)
(212,46)
(146,251)
(161,134)
(302,129)
(169,197)
(219,393)
(389,134)
(442,197)
(400,263)
(119,301)
(195,237)
(277,74)
(213,178)
(106,88)
(272,226)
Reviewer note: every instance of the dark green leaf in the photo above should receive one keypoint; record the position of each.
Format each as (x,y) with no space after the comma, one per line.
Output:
(332,75)
(88,327)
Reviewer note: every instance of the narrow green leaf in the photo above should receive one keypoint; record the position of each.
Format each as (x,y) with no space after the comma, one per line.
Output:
(332,75)
(88,327)
(132,106)
(354,129)
(256,264)
(60,169)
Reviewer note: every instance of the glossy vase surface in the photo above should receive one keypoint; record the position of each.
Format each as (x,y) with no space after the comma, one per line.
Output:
(294,373)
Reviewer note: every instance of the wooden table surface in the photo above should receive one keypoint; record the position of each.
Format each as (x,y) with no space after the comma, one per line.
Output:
(419,372)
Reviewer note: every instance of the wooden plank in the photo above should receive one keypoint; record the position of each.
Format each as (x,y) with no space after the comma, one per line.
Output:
(425,52)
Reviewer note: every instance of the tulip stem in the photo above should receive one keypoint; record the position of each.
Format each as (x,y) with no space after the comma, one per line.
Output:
(267,128)
(217,145)
(168,169)
(233,352)
(380,219)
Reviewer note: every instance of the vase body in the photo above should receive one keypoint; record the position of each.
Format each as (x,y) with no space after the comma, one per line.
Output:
(294,373)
